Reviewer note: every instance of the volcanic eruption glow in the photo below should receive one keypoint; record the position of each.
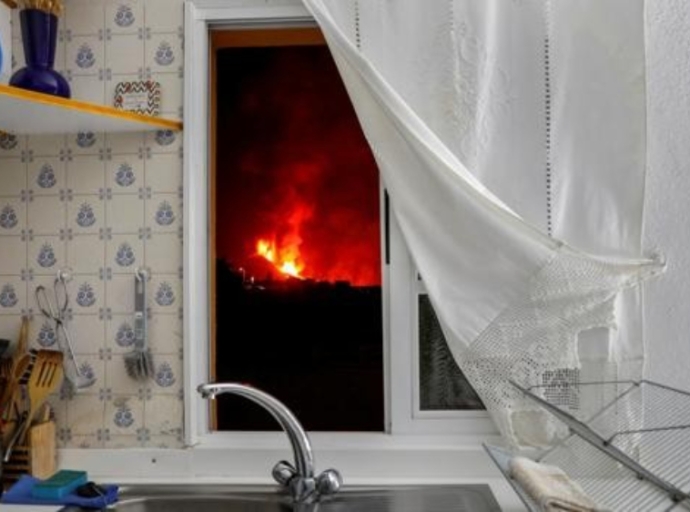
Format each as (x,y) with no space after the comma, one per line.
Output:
(297,186)
(286,259)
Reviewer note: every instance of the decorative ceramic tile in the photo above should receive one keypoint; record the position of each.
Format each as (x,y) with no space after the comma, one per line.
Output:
(46,215)
(9,326)
(125,56)
(85,143)
(12,295)
(46,175)
(164,15)
(164,415)
(163,53)
(12,255)
(92,369)
(124,254)
(164,141)
(86,214)
(45,145)
(85,55)
(87,294)
(119,337)
(164,172)
(125,144)
(164,213)
(167,374)
(90,88)
(46,255)
(83,17)
(125,175)
(124,16)
(85,414)
(12,216)
(88,334)
(165,334)
(124,415)
(117,378)
(43,333)
(166,292)
(12,176)
(11,145)
(86,254)
(86,175)
(125,213)
(164,252)
(120,293)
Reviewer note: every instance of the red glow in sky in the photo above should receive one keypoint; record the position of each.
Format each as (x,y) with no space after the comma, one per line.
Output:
(293,168)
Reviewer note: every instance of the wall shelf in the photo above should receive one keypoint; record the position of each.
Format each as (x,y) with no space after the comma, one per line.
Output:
(27,113)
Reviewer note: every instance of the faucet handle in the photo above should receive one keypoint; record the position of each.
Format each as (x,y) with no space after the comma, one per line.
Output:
(283,472)
(329,482)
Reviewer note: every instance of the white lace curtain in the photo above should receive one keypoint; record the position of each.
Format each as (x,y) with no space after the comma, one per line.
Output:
(510,136)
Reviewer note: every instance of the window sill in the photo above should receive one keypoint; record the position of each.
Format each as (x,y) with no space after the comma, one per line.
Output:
(363,459)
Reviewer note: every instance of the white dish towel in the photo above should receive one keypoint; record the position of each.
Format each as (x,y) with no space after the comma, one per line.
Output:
(550,487)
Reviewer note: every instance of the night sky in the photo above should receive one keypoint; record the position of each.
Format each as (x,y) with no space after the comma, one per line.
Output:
(293,166)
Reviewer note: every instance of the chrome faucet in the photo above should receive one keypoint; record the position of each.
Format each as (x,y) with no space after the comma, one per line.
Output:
(299,478)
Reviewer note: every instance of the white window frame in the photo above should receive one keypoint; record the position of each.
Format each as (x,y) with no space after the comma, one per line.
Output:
(439,452)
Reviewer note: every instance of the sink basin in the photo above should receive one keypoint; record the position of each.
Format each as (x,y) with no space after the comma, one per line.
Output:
(446,498)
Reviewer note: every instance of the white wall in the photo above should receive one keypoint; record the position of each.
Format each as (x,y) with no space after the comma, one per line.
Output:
(667,219)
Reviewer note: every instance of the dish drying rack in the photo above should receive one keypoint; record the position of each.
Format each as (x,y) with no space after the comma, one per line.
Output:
(631,455)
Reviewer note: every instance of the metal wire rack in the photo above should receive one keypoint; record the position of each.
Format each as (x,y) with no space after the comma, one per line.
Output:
(631,455)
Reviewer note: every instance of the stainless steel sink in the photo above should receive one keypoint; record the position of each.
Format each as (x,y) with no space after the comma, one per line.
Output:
(456,498)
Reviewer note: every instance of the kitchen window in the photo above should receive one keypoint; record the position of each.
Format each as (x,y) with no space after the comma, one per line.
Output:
(297,241)
(412,403)
(300,246)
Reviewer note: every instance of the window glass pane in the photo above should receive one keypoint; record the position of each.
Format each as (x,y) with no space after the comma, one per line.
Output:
(298,282)
(442,385)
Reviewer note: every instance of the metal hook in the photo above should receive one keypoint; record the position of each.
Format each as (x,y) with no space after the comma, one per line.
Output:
(141,274)
(64,275)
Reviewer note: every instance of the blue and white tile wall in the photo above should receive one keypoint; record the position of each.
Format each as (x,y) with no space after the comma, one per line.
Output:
(103,204)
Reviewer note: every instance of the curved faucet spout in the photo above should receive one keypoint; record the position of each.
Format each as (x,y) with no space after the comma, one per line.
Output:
(300,478)
(301,447)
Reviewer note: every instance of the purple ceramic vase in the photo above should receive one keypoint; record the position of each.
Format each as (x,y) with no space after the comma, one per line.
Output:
(39,38)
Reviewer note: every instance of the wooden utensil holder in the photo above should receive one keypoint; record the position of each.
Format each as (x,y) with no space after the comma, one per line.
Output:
(37,457)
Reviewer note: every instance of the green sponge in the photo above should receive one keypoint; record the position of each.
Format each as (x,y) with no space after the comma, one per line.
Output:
(59,485)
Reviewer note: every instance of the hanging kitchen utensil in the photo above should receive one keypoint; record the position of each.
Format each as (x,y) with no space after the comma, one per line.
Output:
(56,310)
(139,362)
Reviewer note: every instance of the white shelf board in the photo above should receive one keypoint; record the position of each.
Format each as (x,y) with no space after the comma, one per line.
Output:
(27,113)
